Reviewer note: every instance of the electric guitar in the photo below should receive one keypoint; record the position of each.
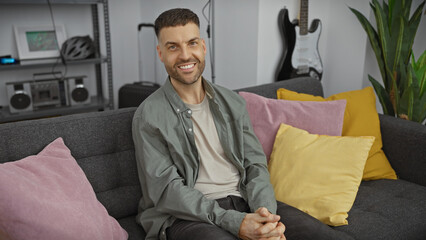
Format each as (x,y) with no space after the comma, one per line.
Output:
(301,57)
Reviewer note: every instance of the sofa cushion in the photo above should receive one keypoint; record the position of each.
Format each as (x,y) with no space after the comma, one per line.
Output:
(388,209)
(266,115)
(318,174)
(361,119)
(47,196)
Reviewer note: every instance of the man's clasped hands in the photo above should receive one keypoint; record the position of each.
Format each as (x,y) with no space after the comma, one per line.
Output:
(262,225)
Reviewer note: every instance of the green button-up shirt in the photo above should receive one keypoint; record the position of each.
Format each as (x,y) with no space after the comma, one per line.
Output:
(168,160)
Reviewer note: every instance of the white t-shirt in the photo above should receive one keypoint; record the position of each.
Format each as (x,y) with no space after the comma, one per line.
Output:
(217,176)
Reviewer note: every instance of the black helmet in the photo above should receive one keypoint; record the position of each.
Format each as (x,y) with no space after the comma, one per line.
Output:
(79,47)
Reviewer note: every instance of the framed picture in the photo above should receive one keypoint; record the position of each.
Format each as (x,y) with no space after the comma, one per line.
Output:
(35,42)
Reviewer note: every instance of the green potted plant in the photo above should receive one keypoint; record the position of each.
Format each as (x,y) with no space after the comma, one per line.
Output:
(403,94)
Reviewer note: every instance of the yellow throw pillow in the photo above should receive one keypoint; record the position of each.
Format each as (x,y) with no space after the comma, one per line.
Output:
(361,119)
(318,174)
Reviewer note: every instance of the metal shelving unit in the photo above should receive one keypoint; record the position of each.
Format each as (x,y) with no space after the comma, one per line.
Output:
(99,102)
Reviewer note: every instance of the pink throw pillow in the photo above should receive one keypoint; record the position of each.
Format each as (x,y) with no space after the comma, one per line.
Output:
(47,196)
(266,115)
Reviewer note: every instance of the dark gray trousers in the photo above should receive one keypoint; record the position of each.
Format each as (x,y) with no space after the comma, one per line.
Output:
(299,225)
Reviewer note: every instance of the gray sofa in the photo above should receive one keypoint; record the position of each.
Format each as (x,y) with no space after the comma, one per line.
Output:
(102,144)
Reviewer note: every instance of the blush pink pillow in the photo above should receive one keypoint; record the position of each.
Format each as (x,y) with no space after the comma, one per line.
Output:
(266,115)
(47,196)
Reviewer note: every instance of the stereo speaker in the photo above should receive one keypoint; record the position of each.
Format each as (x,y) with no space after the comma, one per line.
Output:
(79,94)
(19,95)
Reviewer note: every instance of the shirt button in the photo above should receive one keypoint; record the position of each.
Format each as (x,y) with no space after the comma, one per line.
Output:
(189,111)
(190,129)
(177,110)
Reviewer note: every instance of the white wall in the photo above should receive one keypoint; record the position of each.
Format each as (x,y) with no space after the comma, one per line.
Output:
(124,19)
(236,42)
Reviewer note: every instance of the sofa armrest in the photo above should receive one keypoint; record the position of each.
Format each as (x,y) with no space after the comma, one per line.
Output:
(404,143)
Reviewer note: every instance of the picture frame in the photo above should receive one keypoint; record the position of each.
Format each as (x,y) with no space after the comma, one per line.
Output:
(39,42)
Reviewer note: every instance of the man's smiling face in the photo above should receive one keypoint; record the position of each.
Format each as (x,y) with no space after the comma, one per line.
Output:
(182,51)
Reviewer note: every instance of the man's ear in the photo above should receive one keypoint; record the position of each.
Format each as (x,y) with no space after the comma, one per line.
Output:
(159,53)
(204,45)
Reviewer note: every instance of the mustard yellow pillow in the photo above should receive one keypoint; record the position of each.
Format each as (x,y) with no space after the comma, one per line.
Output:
(361,119)
(318,174)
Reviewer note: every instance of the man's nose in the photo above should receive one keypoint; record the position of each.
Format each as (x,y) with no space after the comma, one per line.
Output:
(185,53)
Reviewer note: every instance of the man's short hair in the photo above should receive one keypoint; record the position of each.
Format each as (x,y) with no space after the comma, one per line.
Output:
(175,17)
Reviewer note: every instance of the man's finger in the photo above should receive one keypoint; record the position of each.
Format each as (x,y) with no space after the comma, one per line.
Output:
(265,229)
(271,238)
(263,212)
(272,218)
(280,224)
(277,231)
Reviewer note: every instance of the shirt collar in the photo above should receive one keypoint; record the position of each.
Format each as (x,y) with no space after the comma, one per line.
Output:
(177,103)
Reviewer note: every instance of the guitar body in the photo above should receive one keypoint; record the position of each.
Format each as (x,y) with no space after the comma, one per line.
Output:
(306,60)
(301,56)
(288,34)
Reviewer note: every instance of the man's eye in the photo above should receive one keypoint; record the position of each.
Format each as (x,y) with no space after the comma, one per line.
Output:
(172,47)
(193,43)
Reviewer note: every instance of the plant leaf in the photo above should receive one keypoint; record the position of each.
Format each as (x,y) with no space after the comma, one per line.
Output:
(406,7)
(411,31)
(383,96)
(423,102)
(420,71)
(411,103)
(422,59)
(394,91)
(383,34)
(399,42)
(390,8)
(422,80)
(388,12)
(374,41)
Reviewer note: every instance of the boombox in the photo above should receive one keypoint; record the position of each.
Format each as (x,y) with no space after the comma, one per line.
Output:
(47,93)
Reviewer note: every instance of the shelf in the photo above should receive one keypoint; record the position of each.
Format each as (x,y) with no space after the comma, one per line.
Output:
(103,75)
(25,64)
(51,1)
(95,105)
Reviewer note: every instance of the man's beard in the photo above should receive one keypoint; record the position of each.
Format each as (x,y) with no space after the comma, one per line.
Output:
(173,72)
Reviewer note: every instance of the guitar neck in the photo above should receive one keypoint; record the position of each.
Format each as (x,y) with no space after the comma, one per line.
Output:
(303,21)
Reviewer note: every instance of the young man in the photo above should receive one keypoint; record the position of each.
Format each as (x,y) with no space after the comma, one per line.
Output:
(202,170)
